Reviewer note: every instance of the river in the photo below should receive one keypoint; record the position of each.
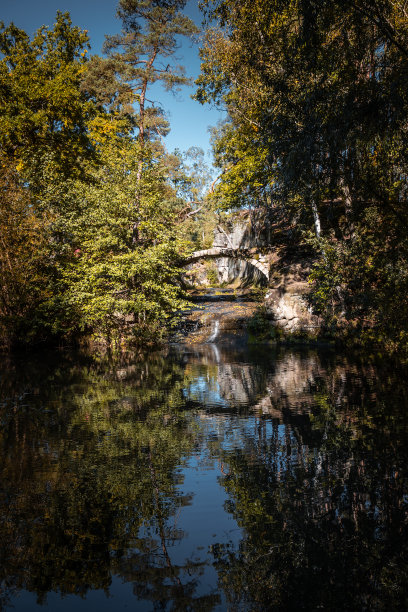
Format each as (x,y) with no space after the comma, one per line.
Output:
(203,477)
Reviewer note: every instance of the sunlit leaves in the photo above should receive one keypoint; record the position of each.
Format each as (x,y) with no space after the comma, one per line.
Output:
(317,133)
(110,282)
(43,113)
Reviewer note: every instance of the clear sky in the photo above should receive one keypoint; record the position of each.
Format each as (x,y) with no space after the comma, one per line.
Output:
(189,120)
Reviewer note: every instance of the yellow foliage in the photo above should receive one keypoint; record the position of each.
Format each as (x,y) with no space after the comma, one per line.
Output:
(102,129)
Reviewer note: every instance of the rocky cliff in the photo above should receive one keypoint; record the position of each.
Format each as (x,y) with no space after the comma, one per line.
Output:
(286,300)
(241,231)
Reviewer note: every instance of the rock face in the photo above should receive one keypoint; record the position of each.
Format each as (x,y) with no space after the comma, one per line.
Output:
(201,274)
(238,234)
(287,305)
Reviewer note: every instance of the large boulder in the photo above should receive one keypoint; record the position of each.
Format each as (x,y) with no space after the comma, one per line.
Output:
(289,309)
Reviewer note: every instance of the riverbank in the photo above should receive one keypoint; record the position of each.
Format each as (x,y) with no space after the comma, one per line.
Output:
(238,316)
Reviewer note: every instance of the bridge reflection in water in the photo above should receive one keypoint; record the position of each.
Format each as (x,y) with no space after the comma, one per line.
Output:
(203,478)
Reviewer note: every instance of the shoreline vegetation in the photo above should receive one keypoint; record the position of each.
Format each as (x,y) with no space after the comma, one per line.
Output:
(97,217)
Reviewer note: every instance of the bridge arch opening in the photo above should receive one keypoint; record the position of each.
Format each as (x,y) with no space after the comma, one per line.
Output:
(240,254)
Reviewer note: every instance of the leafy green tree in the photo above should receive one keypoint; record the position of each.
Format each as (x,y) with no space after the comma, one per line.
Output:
(24,261)
(76,191)
(113,284)
(139,57)
(43,113)
(315,93)
(192,180)
(45,144)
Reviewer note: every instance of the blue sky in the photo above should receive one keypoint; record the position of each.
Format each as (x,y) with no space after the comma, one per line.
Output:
(189,120)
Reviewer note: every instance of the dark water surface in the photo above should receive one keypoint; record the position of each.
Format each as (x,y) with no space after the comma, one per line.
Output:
(203,479)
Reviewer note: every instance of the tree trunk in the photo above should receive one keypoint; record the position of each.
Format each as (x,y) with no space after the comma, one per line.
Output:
(141,138)
(316,219)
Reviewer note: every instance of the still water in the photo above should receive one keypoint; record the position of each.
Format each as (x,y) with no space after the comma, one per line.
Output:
(203,478)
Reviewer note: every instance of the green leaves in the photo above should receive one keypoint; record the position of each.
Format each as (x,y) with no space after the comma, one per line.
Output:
(43,114)
(93,199)
(316,134)
(109,282)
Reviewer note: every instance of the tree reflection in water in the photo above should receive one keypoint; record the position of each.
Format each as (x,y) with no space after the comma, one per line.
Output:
(320,491)
(91,462)
(311,450)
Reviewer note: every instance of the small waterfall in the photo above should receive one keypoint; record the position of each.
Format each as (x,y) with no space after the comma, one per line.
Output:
(215,331)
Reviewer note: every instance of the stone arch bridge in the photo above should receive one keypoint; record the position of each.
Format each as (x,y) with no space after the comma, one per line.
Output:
(252,256)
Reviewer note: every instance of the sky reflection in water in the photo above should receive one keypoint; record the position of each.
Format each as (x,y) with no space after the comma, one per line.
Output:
(203,479)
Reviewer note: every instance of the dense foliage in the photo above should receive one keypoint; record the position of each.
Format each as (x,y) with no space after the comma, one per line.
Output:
(96,215)
(317,132)
(91,220)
